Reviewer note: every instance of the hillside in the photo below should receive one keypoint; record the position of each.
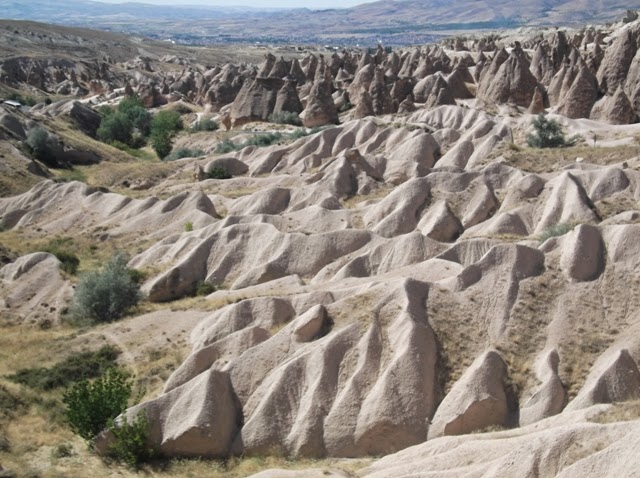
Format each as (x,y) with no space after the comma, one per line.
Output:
(413,262)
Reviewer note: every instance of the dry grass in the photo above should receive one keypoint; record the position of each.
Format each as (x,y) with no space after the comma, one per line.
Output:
(92,252)
(619,412)
(30,438)
(354,201)
(553,159)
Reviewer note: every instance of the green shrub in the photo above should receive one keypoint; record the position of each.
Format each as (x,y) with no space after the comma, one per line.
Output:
(63,450)
(261,140)
(188,226)
(9,404)
(116,127)
(105,295)
(218,173)
(163,126)
(161,144)
(226,146)
(90,406)
(555,231)
(62,249)
(180,153)
(286,117)
(205,124)
(133,109)
(42,145)
(205,288)
(76,367)
(166,120)
(137,276)
(547,133)
(130,443)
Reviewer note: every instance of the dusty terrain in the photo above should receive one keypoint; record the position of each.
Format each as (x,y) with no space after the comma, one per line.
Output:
(407,290)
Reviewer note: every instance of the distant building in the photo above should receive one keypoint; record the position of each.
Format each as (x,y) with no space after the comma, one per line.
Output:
(13,104)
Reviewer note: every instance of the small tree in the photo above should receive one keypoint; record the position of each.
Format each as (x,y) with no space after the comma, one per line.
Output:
(42,145)
(116,127)
(130,443)
(105,295)
(548,133)
(90,406)
(163,125)
(133,109)
(161,143)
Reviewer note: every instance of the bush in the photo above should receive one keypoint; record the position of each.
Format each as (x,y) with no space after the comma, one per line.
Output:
(161,144)
(166,121)
(286,117)
(116,127)
(105,295)
(205,288)
(133,109)
(180,153)
(548,133)
(163,125)
(205,124)
(61,248)
(42,145)
(226,146)
(76,367)
(555,231)
(261,140)
(188,226)
(90,406)
(130,441)
(218,173)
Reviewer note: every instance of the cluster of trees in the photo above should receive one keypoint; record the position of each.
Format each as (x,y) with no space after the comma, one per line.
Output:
(131,125)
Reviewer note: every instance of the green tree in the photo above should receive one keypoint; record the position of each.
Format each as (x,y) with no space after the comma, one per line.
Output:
(42,145)
(90,406)
(166,120)
(133,109)
(163,126)
(130,443)
(116,127)
(547,133)
(105,295)
(161,143)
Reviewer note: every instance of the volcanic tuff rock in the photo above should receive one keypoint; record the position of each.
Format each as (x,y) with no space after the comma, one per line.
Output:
(382,285)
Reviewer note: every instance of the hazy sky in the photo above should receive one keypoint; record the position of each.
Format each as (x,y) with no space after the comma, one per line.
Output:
(257,3)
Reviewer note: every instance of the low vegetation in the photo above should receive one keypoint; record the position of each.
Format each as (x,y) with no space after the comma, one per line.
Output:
(218,173)
(180,153)
(548,133)
(42,145)
(555,231)
(286,117)
(105,295)
(62,248)
(76,367)
(91,405)
(205,124)
(164,125)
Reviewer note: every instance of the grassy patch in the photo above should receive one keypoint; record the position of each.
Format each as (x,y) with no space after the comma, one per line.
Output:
(555,231)
(619,412)
(76,367)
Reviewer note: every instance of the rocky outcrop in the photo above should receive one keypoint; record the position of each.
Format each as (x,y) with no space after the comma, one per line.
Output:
(256,100)
(616,109)
(579,100)
(512,83)
(320,109)
(478,400)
